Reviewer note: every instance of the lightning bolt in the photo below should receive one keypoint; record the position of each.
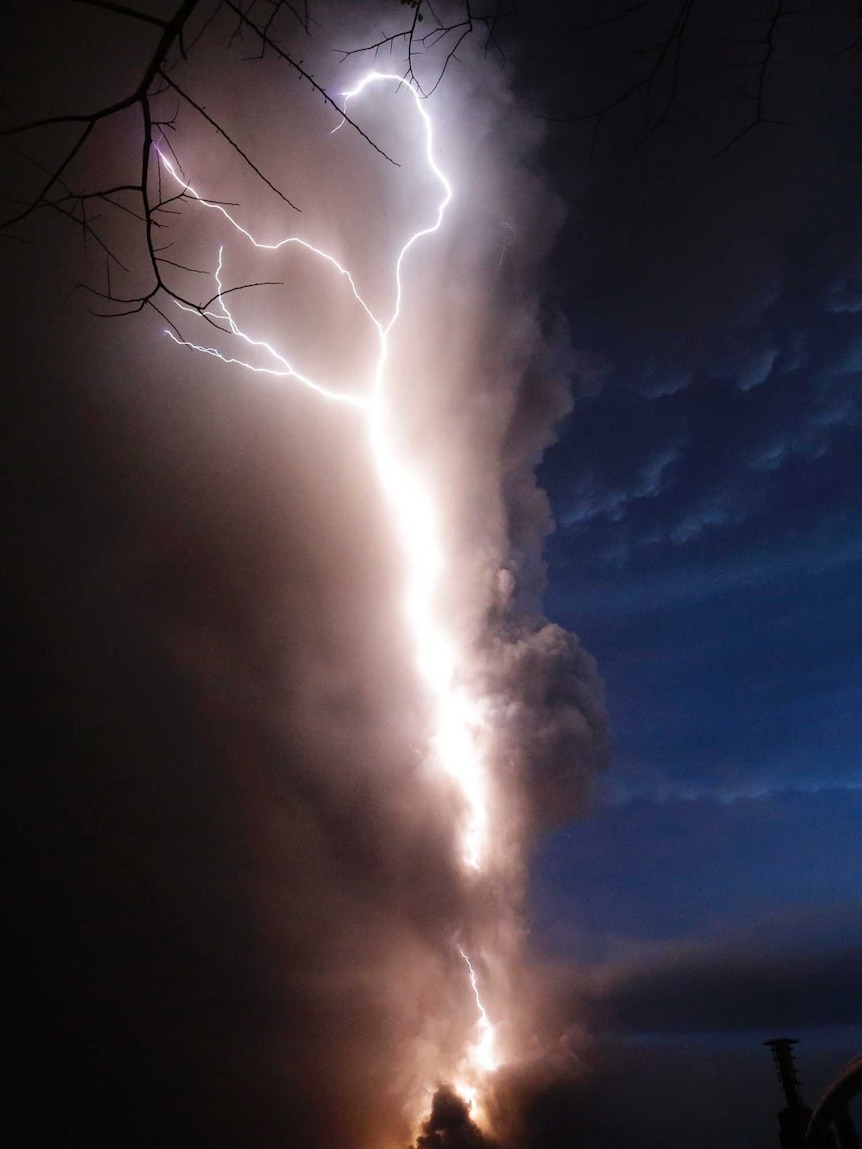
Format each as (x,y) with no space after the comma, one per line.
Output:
(485,1046)
(415,514)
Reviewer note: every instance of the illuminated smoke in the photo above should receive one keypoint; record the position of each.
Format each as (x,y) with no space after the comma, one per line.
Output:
(456,744)
(515,724)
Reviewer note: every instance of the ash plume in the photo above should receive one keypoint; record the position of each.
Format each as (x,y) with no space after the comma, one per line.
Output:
(265,870)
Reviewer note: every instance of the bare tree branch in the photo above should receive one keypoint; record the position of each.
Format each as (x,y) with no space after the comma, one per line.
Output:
(768,44)
(647,57)
(246,21)
(58,194)
(418,39)
(656,45)
(239,151)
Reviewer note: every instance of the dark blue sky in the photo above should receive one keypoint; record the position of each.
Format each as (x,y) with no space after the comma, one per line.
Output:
(708,548)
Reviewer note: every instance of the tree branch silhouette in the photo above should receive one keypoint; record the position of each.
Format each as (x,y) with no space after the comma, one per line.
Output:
(142,198)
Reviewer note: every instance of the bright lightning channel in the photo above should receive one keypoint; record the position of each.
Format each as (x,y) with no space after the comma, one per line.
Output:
(485,1054)
(415,513)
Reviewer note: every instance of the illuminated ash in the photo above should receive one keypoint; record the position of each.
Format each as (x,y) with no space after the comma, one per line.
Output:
(459,740)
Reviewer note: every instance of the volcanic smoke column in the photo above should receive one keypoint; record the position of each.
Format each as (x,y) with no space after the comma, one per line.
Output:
(459,718)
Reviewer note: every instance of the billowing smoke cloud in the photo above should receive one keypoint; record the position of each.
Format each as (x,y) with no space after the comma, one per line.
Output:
(449,1125)
(247,549)
(550,717)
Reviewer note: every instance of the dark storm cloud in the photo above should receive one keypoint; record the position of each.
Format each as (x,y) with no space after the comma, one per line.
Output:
(708,994)
(795,973)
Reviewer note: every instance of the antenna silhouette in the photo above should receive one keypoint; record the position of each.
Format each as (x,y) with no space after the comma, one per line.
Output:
(793,1120)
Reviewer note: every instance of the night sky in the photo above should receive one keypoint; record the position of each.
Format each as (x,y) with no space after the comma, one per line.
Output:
(191,605)
(707,551)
